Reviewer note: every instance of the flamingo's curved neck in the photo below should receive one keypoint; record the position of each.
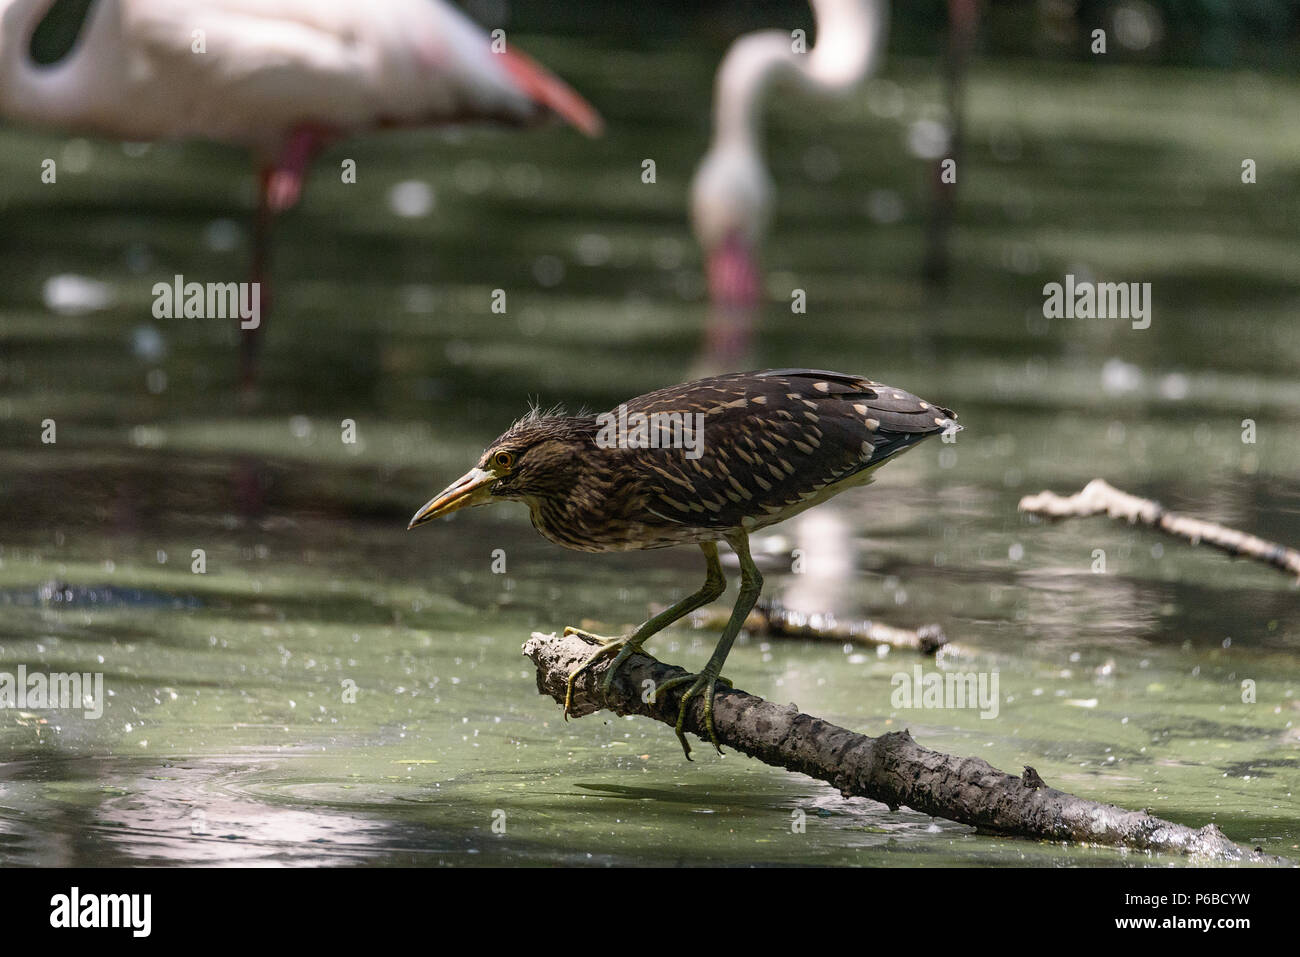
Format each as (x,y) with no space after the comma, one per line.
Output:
(850,37)
(64,91)
(850,40)
(750,64)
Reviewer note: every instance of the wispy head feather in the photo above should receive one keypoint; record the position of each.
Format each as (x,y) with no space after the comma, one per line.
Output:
(538,424)
(536,414)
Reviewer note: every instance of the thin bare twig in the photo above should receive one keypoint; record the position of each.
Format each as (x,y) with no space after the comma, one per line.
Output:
(773,619)
(892,768)
(1098,496)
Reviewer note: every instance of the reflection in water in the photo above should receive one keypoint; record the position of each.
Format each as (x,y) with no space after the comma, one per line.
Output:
(201,812)
(825,562)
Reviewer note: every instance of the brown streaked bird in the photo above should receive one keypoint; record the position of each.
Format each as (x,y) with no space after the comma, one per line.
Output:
(699,463)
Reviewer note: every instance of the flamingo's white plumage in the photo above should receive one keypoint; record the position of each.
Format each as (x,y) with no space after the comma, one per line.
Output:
(280,77)
(731,193)
(270,67)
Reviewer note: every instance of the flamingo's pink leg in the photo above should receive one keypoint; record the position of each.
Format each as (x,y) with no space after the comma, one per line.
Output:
(734,278)
(289,173)
(279,188)
(249,339)
(735,293)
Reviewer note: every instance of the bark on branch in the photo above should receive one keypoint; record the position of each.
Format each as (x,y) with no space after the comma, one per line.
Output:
(892,768)
(1098,496)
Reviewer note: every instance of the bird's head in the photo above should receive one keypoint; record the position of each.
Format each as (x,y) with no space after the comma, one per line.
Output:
(535,458)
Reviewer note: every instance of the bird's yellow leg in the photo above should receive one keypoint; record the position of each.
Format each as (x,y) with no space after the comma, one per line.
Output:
(751,583)
(626,645)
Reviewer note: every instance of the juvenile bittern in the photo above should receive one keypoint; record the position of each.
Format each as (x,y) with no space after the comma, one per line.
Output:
(708,461)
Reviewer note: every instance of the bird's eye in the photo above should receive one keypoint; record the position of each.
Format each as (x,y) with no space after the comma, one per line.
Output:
(503,460)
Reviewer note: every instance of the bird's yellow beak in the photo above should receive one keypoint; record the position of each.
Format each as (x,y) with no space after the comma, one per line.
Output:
(472,488)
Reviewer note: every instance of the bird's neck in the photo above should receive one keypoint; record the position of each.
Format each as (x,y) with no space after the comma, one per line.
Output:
(850,40)
(574,497)
(748,68)
(67,89)
(850,36)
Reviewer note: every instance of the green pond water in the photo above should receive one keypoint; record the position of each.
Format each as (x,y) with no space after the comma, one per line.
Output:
(227,736)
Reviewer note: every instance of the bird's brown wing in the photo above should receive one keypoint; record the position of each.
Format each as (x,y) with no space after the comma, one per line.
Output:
(761,444)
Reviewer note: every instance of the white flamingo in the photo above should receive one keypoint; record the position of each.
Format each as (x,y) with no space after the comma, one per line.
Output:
(282,78)
(731,194)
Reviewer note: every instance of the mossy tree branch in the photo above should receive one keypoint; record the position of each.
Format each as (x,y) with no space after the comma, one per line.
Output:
(892,768)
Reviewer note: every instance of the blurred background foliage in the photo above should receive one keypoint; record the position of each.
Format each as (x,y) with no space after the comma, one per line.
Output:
(1213,33)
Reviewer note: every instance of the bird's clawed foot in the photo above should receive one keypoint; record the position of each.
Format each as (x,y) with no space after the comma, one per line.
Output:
(587,635)
(705,682)
(621,647)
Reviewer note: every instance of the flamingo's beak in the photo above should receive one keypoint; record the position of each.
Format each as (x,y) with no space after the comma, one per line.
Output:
(548,90)
(472,488)
(733,275)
